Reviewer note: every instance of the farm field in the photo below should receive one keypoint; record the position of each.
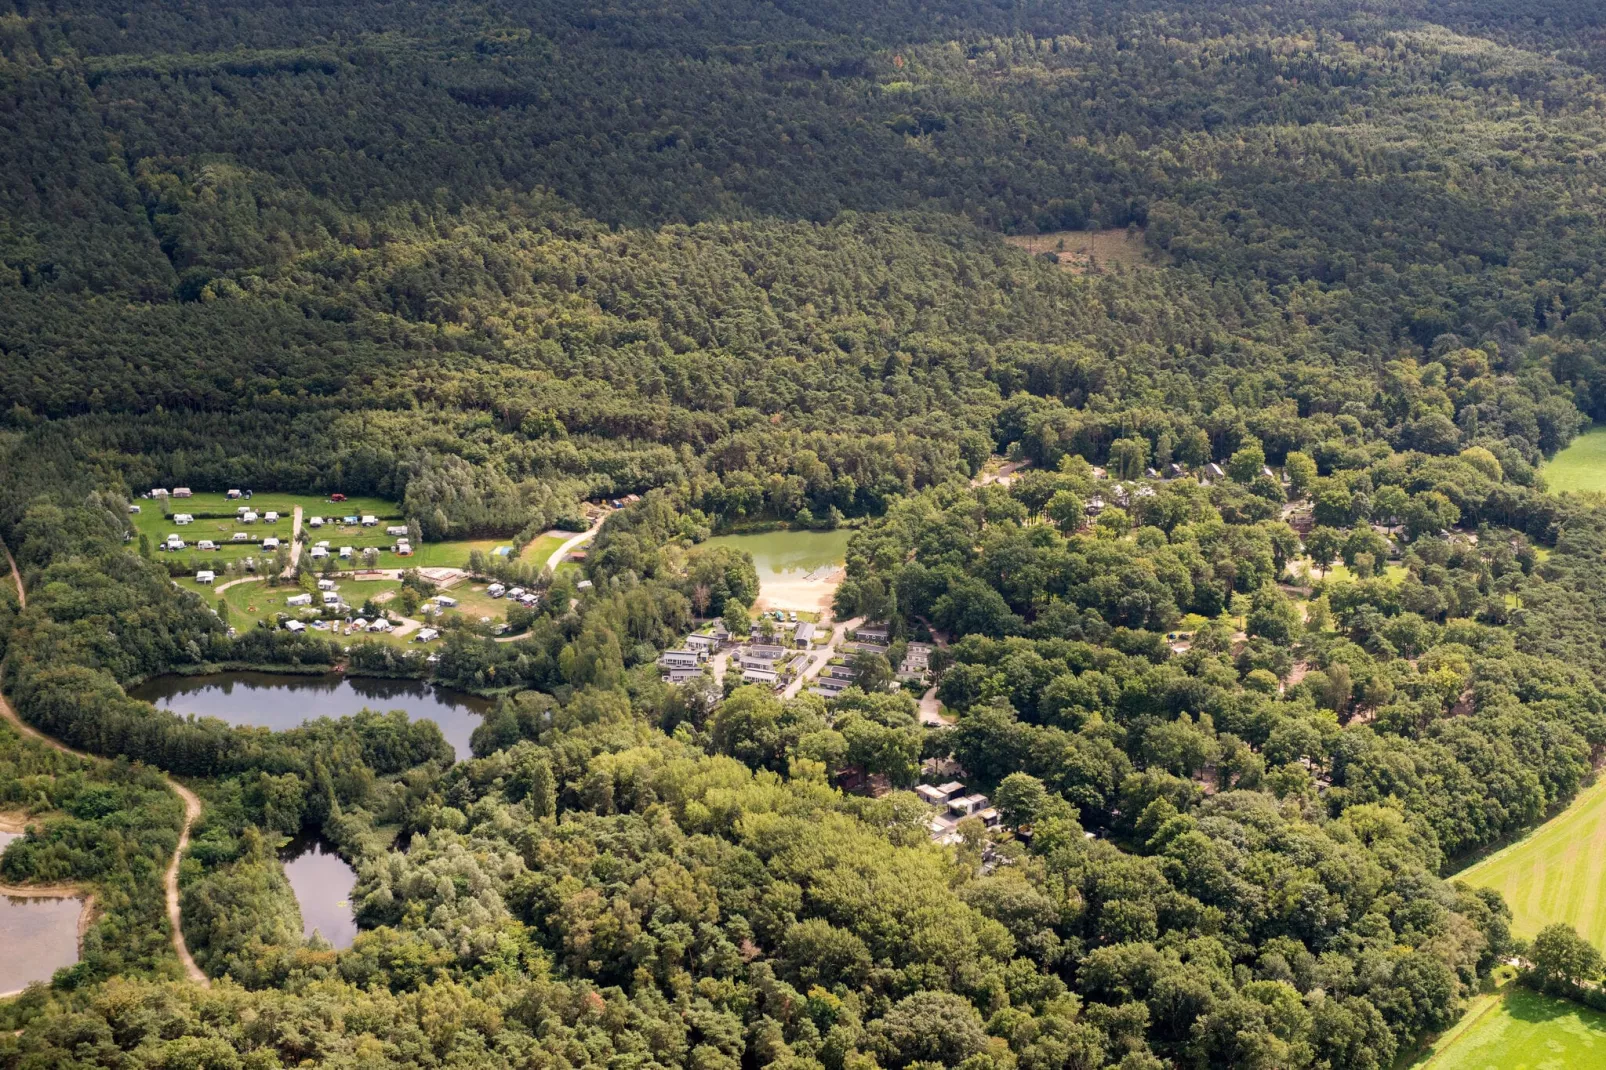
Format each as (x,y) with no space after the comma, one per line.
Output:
(1555,873)
(1581,466)
(1522,1030)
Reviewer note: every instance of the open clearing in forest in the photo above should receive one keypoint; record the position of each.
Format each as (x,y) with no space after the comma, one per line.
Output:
(540,548)
(1082,251)
(1522,1030)
(1581,466)
(221,527)
(1555,873)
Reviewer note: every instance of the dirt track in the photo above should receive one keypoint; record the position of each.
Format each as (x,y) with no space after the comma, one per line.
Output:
(192,808)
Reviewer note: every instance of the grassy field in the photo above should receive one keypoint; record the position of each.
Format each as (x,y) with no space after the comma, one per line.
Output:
(151,522)
(1581,466)
(1521,1030)
(541,548)
(1339,571)
(1555,873)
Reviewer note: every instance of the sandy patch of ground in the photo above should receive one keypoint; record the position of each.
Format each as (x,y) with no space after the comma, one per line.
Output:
(804,592)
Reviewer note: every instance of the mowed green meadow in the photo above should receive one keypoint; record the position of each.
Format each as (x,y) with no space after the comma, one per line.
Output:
(1581,466)
(1521,1030)
(1555,873)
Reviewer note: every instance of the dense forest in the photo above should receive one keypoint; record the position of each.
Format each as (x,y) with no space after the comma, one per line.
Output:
(761,264)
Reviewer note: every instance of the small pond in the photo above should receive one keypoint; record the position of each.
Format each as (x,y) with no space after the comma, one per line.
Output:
(283,700)
(323,882)
(796,569)
(39,933)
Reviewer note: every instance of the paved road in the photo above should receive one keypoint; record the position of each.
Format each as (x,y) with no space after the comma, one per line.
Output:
(817,660)
(557,556)
(192,807)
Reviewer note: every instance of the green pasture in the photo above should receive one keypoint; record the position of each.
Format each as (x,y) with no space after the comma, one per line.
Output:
(541,548)
(1521,1030)
(1555,873)
(311,504)
(1581,466)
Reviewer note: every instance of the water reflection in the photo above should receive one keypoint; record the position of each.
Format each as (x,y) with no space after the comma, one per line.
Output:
(322,881)
(282,700)
(39,934)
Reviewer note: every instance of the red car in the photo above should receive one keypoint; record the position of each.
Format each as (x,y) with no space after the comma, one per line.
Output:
(337,497)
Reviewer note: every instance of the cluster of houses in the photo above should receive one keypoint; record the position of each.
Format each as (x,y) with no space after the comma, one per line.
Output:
(759,661)
(1121,495)
(874,638)
(951,803)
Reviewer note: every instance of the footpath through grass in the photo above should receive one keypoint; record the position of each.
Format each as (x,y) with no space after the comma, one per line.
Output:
(1522,1030)
(1581,466)
(1555,873)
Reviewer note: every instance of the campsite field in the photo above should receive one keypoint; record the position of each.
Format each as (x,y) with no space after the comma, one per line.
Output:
(1521,1030)
(1555,873)
(156,524)
(1581,466)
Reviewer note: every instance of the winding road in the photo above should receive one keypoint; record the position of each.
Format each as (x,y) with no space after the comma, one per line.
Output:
(818,660)
(192,804)
(557,556)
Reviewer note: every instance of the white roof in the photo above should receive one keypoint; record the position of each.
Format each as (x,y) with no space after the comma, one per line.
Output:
(294,626)
(205,576)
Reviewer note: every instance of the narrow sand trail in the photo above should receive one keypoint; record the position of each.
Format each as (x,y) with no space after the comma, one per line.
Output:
(192,806)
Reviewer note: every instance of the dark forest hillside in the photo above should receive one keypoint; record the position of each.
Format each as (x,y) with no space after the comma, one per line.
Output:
(1277,624)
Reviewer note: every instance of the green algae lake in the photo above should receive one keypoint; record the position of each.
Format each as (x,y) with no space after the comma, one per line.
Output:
(797,570)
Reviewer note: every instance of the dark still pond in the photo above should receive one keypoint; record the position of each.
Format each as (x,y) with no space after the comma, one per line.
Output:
(279,700)
(322,882)
(39,933)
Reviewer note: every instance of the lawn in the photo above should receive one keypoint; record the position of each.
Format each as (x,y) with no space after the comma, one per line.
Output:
(1521,1031)
(1339,571)
(541,548)
(1581,466)
(311,504)
(474,603)
(1555,873)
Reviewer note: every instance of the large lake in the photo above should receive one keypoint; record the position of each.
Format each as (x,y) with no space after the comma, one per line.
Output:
(281,700)
(39,933)
(322,881)
(796,569)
